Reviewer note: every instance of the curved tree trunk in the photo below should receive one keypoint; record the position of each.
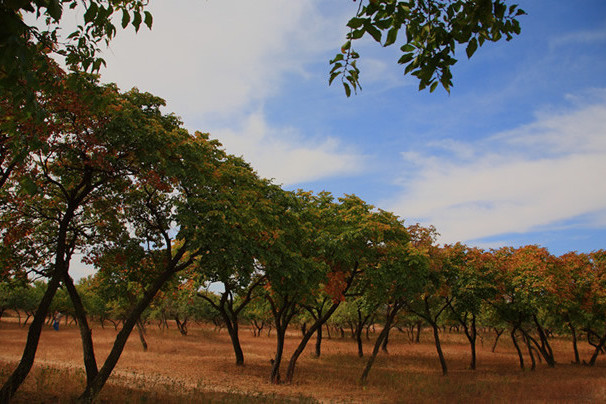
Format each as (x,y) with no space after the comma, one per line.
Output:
(577,358)
(88,350)
(515,343)
(316,327)
(33,336)
(141,331)
(385,341)
(388,320)
(436,336)
(274,377)
(496,340)
(597,350)
(232,330)
(94,387)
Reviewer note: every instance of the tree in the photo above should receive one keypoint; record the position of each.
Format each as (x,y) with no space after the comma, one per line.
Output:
(179,215)
(397,277)
(237,267)
(597,305)
(432,28)
(350,242)
(524,279)
(26,47)
(471,284)
(433,298)
(58,203)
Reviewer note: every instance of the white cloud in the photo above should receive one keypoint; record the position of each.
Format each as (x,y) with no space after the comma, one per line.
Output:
(216,57)
(580,37)
(283,154)
(532,177)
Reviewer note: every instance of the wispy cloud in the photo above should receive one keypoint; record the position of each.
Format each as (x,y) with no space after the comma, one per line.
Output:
(535,176)
(283,154)
(579,37)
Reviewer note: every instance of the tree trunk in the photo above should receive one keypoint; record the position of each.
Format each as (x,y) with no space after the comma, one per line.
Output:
(597,350)
(315,327)
(532,360)
(385,341)
(436,336)
(515,343)
(88,349)
(181,325)
(319,342)
(388,319)
(92,389)
(358,337)
(418,337)
(496,340)
(33,336)
(577,358)
(232,329)
(545,348)
(142,335)
(274,378)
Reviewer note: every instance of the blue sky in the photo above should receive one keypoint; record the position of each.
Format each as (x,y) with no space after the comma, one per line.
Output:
(514,155)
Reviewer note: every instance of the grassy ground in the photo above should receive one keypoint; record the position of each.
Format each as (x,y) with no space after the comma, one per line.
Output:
(200,368)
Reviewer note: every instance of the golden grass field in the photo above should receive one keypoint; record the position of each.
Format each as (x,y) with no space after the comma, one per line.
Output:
(200,367)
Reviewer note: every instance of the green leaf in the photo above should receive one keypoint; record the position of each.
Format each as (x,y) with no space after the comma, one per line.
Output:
(137,21)
(406,58)
(125,18)
(347,90)
(407,48)
(471,47)
(392,35)
(149,19)
(374,32)
(337,58)
(357,34)
(91,13)
(55,10)
(332,77)
(355,23)
(29,186)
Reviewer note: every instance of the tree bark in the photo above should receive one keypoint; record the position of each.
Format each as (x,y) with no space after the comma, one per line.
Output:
(358,338)
(33,336)
(88,350)
(315,327)
(597,350)
(141,331)
(533,364)
(319,342)
(436,336)
(93,388)
(232,330)
(274,377)
(515,343)
(388,319)
(577,358)
(496,340)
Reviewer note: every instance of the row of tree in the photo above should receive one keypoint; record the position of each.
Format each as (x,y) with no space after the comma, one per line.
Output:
(150,205)
(88,169)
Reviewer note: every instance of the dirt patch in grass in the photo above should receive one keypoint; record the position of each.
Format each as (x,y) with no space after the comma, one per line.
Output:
(200,367)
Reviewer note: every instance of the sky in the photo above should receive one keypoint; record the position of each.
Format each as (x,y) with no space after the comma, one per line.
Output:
(514,155)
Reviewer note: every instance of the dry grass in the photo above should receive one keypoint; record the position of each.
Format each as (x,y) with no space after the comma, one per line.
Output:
(200,368)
